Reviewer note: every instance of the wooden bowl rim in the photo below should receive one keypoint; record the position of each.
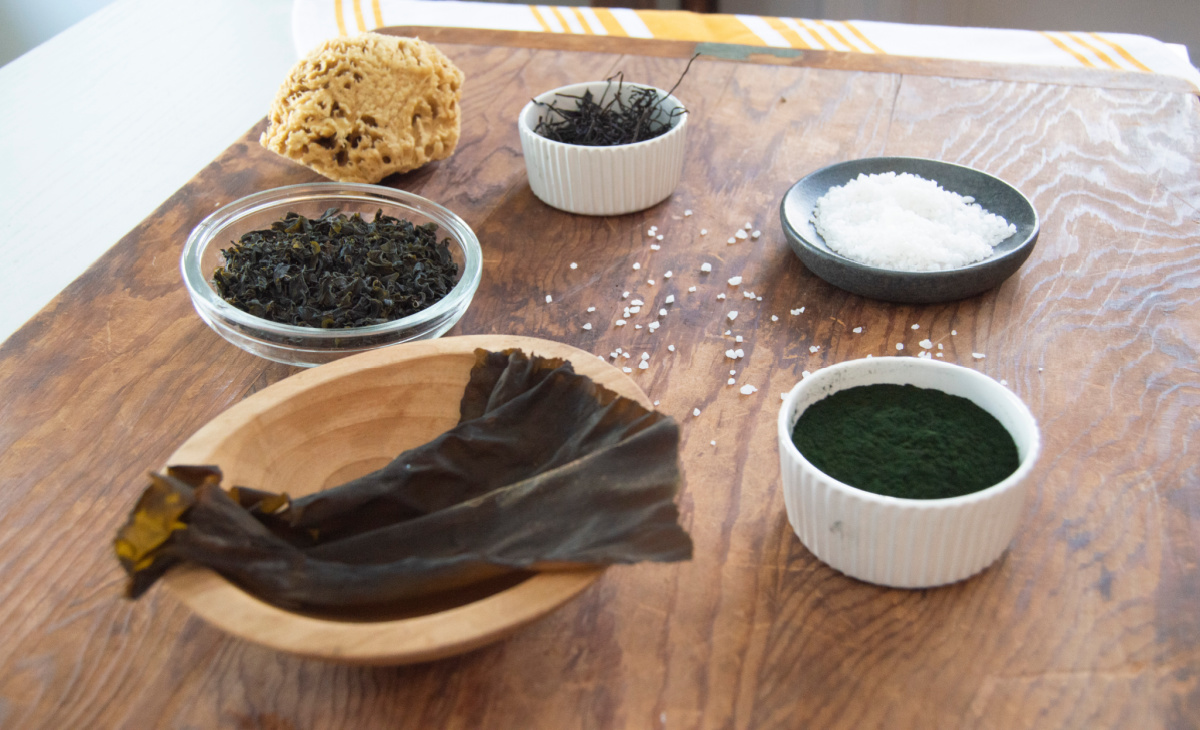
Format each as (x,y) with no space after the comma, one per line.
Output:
(401,641)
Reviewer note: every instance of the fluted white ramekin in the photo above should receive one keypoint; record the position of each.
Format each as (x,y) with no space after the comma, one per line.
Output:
(904,543)
(601,180)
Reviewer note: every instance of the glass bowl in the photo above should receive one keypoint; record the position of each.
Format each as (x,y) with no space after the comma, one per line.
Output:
(310,346)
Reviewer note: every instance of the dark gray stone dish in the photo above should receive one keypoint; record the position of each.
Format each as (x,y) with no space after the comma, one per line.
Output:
(915,287)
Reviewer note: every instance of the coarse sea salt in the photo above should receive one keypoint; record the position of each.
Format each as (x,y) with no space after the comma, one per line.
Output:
(904,222)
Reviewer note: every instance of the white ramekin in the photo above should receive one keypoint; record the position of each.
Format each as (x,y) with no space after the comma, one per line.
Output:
(601,180)
(904,543)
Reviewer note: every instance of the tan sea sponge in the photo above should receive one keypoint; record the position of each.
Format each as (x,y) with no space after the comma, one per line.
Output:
(358,109)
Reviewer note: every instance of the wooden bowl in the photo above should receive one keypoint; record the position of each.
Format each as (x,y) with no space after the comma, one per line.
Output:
(325,426)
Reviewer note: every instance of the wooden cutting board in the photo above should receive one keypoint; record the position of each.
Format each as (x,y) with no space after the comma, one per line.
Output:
(1089,620)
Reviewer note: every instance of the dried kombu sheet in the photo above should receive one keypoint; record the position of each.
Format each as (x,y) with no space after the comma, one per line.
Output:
(616,118)
(337,271)
(545,468)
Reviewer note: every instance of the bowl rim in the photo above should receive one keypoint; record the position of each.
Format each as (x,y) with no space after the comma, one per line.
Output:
(899,364)
(203,294)
(400,641)
(531,105)
(821,249)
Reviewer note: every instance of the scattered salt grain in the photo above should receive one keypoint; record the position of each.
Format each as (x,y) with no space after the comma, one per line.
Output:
(655,247)
(748,295)
(926,344)
(652,232)
(587,325)
(749,390)
(687,212)
(705,267)
(643,365)
(620,350)
(731,354)
(691,288)
(1003,382)
(636,303)
(899,345)
(636,266)
(740,235)
(591,309)
(802,312)
(733,372)
(732,315)
(748,226)
(731,381)
(916,326)
(720,296)
(624,295)
(637,326)
(756,235)
(574,265)
(650,282)
(953,332)
(668,275)
(728,332)
(857,330)
(549,299)
(978,355)
(659,237)
(740,353)
(645,356)
(664,715)
(703,231)
(805,373)
(735,280)
(634,310)
(670,299)
(627,370)
(656,403)
(737,339)
(620,323)
(774,318)
(731,240)
(654,325)
(695,411)
(670,348)
(940,347)
(814,348)
(794,312)
(662,312)
(940,354)
(758,299)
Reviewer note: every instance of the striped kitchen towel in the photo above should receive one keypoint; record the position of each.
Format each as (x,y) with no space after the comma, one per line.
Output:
(314,21)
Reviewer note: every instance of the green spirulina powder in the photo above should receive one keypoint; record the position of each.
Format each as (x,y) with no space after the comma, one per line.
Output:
(905,441)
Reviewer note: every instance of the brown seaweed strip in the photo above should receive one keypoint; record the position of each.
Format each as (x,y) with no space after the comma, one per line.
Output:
(558,416)
(452,548)
(588,477)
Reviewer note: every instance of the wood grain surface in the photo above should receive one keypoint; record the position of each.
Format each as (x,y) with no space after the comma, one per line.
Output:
(1089,620)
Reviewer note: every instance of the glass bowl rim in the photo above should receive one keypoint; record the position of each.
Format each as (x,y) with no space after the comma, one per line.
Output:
(203,294)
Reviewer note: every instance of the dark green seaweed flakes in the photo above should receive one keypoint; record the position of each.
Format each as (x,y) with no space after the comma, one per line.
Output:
(337,271)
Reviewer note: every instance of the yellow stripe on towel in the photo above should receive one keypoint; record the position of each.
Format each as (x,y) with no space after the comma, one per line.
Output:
(1066,48)
(358,16)
(378,12)
(680,25)
(859,34)
(1096,51)
(1122,53)
(339,17)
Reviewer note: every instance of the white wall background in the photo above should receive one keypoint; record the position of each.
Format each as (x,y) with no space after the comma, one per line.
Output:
(28,23)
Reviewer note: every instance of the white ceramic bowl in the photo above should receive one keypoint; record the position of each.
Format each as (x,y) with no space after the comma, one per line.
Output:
(904,543)
(601,180)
